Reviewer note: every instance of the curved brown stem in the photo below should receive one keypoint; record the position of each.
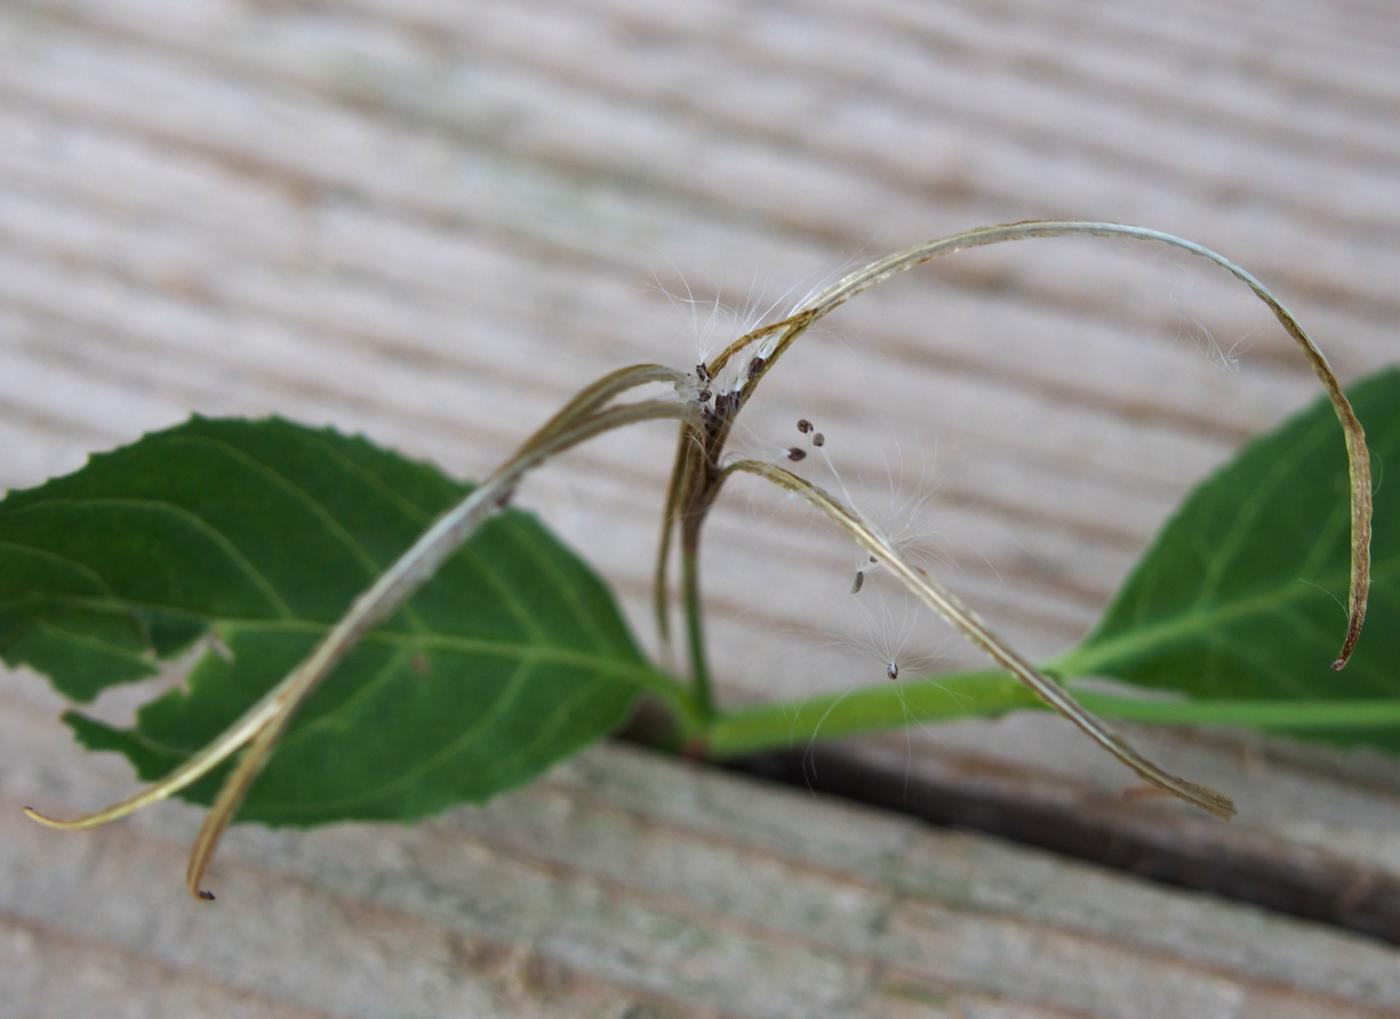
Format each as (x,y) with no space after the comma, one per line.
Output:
(261,725)
(1358,456)
(942,601)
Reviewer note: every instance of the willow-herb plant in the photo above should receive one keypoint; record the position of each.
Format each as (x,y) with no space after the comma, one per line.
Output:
(480,651)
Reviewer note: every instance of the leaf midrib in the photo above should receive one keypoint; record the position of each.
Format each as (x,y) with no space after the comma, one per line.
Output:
(1089,656)
(428,640)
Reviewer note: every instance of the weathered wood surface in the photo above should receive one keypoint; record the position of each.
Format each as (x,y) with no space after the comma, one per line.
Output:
(431,222)
(626,885)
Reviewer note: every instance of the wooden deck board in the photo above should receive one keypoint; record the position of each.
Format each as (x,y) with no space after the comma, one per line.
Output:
(624,877)
(432,222)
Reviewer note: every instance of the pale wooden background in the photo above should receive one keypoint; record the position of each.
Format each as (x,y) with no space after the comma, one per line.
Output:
(432,221)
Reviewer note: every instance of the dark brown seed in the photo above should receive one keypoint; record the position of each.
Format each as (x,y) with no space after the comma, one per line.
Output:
(859,582)
(892,670)
(797,454)
(804,426)
(704,396)
(206,895)
(702,373)
(819,439)
(756,366)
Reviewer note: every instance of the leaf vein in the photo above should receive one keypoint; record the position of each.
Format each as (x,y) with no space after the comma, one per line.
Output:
(418,515)
(231,550)
(317,508)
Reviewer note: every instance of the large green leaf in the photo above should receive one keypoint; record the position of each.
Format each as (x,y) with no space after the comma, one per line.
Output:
(257,536)
(1242,596)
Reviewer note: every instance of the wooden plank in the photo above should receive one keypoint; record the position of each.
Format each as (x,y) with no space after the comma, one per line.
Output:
(628,880)
(433,223)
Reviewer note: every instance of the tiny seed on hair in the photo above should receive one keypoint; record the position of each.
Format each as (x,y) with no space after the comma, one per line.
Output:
(704,396)
(796,454)
(819,439)
(702,373)
(804,426)
(858,583)
(756,366)
(892,670)
(206,895)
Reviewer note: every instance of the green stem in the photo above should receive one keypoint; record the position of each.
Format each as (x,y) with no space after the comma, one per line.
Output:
(991,693)
(684,724)
(701,689)
(866,709)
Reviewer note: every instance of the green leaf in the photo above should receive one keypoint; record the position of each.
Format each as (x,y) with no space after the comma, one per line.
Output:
(1242,596)
(256,536)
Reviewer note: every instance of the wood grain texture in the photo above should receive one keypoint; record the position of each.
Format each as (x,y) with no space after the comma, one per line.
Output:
(625,881)
(431,222)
